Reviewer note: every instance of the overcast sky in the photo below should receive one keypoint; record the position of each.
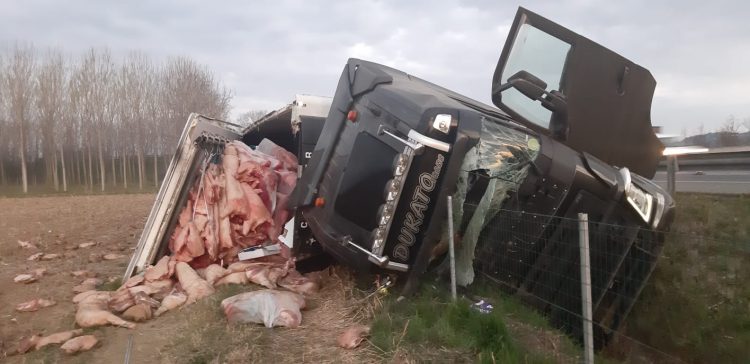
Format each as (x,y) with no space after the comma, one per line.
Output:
(267,51)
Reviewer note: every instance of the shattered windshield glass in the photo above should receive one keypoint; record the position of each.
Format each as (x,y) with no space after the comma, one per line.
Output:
(495,166)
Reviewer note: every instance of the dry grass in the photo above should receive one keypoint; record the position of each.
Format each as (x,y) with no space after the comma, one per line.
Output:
(207,338)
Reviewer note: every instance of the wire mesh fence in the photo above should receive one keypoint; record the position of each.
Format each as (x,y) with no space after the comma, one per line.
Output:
(537,258)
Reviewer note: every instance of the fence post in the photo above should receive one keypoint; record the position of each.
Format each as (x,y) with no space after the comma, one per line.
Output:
(588,330)
(451,248)
(671,174)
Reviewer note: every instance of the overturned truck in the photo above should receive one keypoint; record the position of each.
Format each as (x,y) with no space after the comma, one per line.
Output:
(570,133)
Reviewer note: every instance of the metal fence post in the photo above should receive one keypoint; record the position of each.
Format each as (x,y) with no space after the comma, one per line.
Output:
(451,248)
(671,174)
(588,330)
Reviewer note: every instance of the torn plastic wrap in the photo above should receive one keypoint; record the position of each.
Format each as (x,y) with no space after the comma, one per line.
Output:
(496,165)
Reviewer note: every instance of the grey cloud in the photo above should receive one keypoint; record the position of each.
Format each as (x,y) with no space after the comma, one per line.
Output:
(267,51)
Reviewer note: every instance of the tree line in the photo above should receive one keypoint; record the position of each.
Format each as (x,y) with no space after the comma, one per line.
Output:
(93,121)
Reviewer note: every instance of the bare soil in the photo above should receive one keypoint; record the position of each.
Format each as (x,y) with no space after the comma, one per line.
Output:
(197,333)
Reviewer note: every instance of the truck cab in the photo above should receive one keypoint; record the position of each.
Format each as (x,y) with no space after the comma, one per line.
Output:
(569,132)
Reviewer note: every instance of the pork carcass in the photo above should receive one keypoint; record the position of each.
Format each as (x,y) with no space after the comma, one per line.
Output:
(78,344)
(214,272)
(57,338)
(121,300)
(159,271)
(296,282)
(34,305)
(133,281)
(27,343)
(138,313)
(266,274)
(156,289)
(26,278)
(353,336)
(269,307)
(195,287)
(232,278)
(170,302)
(92,311)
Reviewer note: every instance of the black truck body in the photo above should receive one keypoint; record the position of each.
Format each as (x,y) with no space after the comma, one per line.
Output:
(394,147)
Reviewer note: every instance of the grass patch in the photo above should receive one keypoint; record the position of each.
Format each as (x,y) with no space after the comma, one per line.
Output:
(696,303)
(110,286)
(205,336)
(429,328)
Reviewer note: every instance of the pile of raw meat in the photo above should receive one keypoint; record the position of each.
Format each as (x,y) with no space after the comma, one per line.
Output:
(238,203)
(235,205)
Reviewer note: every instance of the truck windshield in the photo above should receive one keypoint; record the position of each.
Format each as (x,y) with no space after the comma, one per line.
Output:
(543,56)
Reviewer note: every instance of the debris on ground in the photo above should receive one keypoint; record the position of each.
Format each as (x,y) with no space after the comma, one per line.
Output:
(34,305)
(269,307)
(83,274)
(112,256)
(88,284)
(482,306)
(353,336)
(78,344)
(35,256)
(56,338)
(30,277)
(86,245)
(26,278)
(26,244)
(50,256)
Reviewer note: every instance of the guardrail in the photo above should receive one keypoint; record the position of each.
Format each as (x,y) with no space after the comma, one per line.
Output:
(719,158)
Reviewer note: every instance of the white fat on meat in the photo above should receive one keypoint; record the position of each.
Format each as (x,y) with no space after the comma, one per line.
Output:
(93,311)
(195,286)
(170,302)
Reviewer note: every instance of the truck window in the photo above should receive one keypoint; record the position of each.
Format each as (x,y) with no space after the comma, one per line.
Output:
(543,56)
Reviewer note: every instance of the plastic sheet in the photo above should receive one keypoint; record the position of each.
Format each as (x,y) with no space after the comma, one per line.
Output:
(502,158)
(268,307)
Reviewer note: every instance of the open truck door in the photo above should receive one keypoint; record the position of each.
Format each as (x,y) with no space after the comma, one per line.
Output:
(588,97)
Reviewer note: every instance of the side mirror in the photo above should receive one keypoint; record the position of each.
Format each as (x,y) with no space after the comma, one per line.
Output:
(536,89)
(526,83)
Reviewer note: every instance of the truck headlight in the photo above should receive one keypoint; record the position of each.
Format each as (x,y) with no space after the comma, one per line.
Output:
(640,200)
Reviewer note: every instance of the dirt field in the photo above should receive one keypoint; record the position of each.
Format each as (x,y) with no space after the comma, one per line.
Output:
(195,334)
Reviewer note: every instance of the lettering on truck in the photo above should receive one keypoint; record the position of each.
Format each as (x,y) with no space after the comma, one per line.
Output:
(414,218)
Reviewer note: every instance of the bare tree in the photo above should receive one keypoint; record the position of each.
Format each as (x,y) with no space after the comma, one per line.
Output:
(83,117)
(18,86)
(728,132)
(50,83)
(247,117)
